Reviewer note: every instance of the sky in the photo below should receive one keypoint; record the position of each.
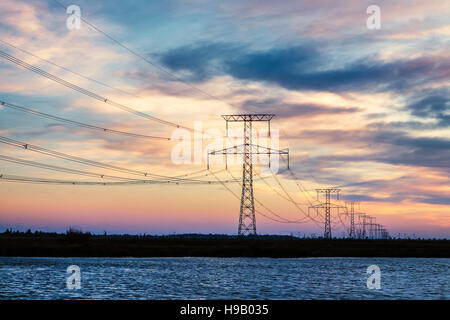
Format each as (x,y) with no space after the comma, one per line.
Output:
(361,109)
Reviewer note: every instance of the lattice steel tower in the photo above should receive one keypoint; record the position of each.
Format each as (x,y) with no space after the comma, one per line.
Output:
(351,231)
(247,221)
(364,225)
(327,206)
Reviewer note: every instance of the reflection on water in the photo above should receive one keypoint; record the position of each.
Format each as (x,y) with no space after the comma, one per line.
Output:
(224,278)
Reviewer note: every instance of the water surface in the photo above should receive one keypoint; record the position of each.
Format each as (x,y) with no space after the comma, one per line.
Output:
(224,278)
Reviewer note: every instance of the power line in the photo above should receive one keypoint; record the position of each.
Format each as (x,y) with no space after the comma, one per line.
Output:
(330,221)
(90,174)
(13,178)
(64,156)
(192,173)
(59,169)
(296,204)
(287,197)
(300,186)
(147,60)
(87,92)
(100,98)
(96,96)
(291,148)
(73,72)
(306,193)
(270,186)
(280,195)
(268,209)
(257,211)
(84,161)
(68,70)
(343,224)
(76,123)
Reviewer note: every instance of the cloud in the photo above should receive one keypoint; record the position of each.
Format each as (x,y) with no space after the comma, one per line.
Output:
(429,108)
(386,146)
(407,187)
(197,60)
(402,196)
(14,11)
(304,67)
(435,199)
(369,75)
(433,104)
(290,110)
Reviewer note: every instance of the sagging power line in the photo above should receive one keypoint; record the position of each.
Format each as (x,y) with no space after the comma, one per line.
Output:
(14,178)
(80,124)
(88,93)
(149,61)
(93,163)
(68,70)
(374,229)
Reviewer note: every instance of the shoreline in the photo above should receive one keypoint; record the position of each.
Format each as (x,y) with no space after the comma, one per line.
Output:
(149,247)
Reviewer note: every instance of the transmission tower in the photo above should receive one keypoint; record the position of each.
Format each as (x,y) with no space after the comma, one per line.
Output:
(384,233)
(371,226)
(368,226)
(369,229)
(327,206)
(363,225)
(379,231)
(352,232)
(247,221)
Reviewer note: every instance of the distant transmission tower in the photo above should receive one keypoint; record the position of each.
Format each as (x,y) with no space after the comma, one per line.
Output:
(327,206)
(351,231)
(362,234)
(364,231)
(371,225)
(247,221)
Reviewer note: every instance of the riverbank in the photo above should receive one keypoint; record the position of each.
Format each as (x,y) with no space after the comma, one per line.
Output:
(138,246)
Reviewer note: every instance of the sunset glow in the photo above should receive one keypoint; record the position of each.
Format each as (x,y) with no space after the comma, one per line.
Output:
(366,111)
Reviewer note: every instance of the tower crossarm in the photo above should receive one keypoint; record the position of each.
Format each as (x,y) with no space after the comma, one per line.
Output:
(330,190)
(248,117)
(255,149)
(325,205)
